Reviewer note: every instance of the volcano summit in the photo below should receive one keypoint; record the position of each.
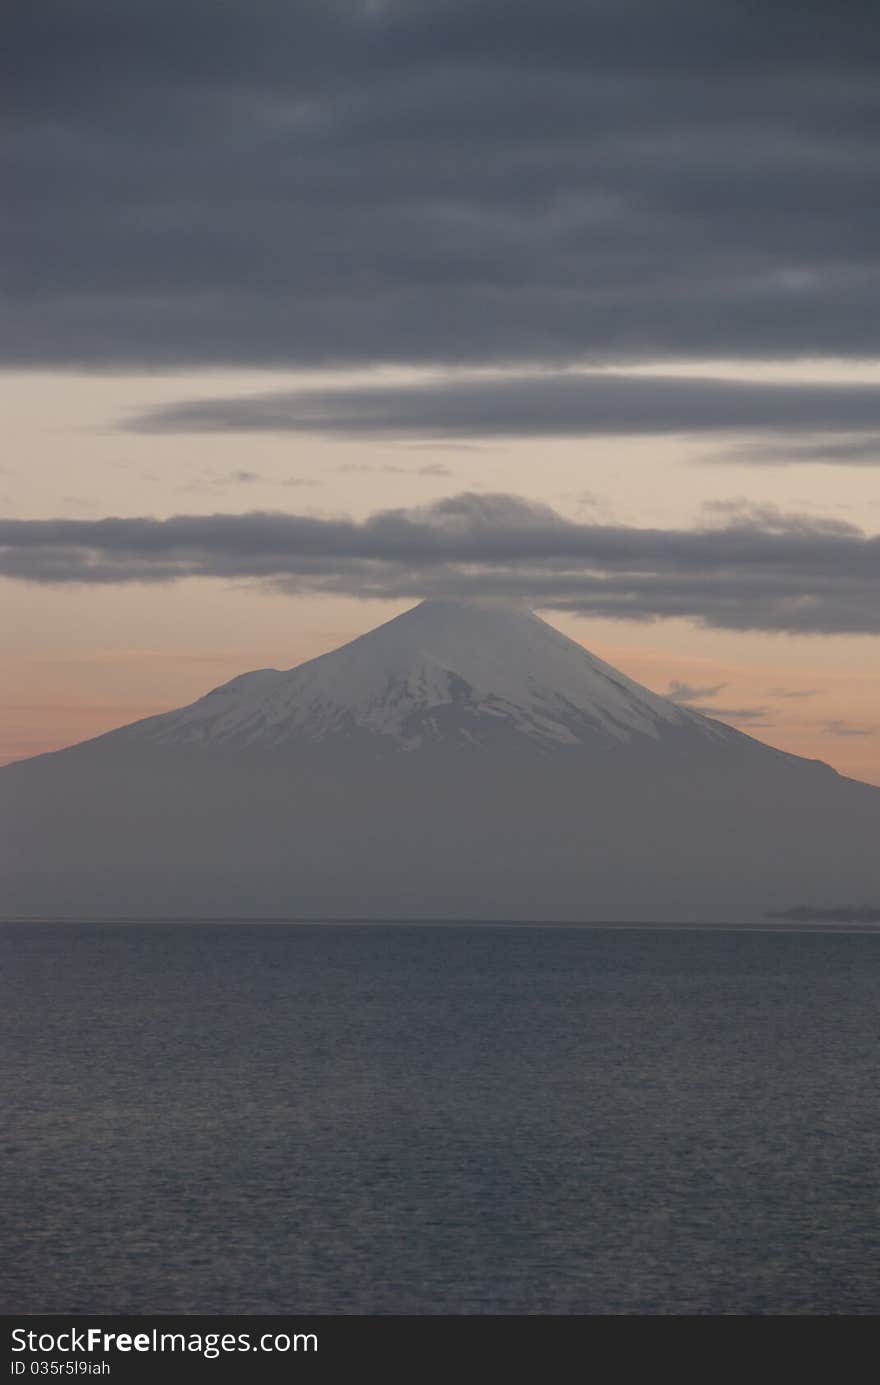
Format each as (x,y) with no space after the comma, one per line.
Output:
(463,760)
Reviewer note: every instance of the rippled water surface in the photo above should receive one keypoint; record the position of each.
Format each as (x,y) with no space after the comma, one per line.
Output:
(439,1119)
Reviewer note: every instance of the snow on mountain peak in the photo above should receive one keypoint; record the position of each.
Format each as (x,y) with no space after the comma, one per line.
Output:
(468,669)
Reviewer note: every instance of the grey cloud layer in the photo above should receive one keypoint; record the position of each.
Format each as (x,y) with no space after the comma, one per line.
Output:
(758,715)
(567,404)
(784,574)
(687,692)
(438,180)
(848,451)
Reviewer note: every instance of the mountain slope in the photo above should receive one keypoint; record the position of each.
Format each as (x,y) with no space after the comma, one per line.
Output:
(445,670)
(463,760)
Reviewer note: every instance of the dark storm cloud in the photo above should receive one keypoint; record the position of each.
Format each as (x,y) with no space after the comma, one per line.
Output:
(438,180)
(569,404)
(786,574)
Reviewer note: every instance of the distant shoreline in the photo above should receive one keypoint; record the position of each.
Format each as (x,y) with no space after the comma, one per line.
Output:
(788,922)
(805,913)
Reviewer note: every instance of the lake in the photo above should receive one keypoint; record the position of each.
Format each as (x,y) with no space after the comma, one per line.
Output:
(393,1118)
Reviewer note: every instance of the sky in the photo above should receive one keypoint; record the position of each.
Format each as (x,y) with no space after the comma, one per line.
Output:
(312,310)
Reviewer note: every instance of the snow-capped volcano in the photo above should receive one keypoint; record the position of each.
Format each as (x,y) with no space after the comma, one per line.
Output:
(463,760)
(465,672)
